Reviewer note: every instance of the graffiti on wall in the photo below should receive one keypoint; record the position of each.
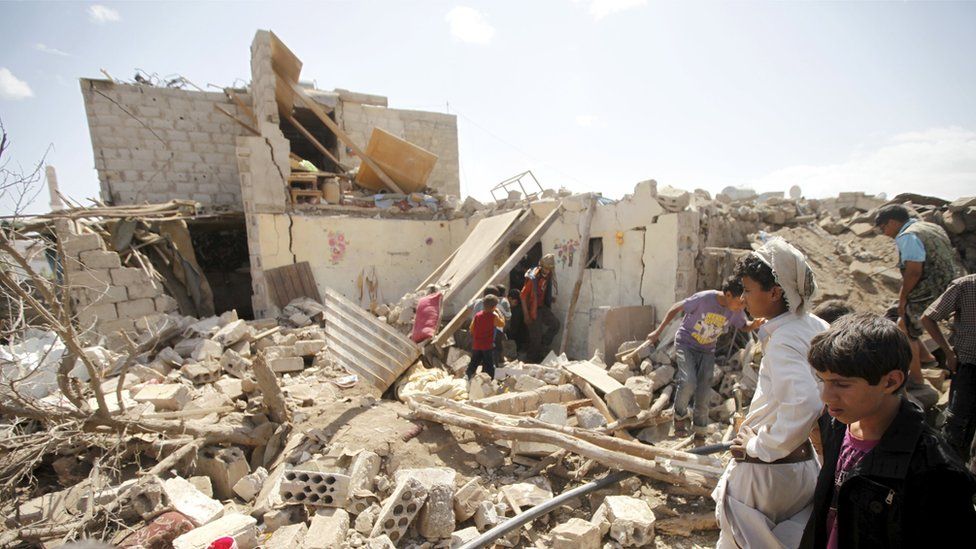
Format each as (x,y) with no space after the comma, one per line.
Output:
(566,251)
(337,246)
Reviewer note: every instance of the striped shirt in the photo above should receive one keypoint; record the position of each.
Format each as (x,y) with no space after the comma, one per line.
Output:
(959,301)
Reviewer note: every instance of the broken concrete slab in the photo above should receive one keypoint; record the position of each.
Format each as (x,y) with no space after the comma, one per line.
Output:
(526,494)
(309,347)
(468,497)
(576,533)
(168,396)
(628,520)
(588,417)
(428,476)
(287,364)
(362,472)
(240,527)
(287,537)
(224,466)
(623,403)
(400,509)
(436,518)
(185,498)
(250,485)
(328,529)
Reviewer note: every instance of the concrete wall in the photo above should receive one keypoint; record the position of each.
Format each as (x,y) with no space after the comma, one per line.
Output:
(398,253)
(157,144)
(436,132)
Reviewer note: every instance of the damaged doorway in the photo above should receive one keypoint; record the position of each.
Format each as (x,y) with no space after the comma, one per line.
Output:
(516,278)
(221,248)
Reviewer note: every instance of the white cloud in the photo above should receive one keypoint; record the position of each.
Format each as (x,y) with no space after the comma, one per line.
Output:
(602,8)
(12,87)
(103,14)
(588,120)
(53,51)
(939,162)
(469,25)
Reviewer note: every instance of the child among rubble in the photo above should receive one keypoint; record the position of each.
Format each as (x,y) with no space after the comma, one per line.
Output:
(888,479)
(483,327)
(706,316)
(765,496)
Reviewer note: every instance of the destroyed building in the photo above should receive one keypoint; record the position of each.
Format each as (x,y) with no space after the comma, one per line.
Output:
(248,376)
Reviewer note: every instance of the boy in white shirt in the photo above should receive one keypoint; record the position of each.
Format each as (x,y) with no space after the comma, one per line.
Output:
(765,496)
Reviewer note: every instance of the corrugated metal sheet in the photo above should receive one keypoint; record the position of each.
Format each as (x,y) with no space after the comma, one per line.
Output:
(363,344)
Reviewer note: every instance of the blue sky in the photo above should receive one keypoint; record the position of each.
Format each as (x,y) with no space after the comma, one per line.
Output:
(589,94)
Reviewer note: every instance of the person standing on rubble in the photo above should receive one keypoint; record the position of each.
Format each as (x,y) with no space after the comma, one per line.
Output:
(959,302)
(765,496)
(706,316)
(927,263)
(483,327)
(538,294)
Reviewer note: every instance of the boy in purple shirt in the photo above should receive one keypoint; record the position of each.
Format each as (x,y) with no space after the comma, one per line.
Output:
(706,315)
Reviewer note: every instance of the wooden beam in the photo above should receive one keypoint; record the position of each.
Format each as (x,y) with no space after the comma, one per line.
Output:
(243,124)
(584,244)
(317,110)
(489,256)
(311,138)
(447,331)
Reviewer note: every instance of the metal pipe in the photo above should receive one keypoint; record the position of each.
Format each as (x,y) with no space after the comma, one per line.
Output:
(613,478)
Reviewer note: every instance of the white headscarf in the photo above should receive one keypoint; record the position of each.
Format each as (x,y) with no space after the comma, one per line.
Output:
(791,270)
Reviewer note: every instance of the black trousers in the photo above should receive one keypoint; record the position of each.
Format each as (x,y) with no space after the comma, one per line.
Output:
(960,424)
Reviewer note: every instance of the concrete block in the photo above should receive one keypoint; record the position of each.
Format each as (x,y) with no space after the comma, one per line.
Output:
(169,396)
(234,364)
(287,537)
(201,372)
(436,519)
(233,388)
(309,347)
(136,308)
(362,474)
(203,484)
(526,494)
(232,333)
(400,509)
(485,516)
(279,518)
(91,278)
(623,403)
(589,417)
(100,259)
(629,520)
(206,349)
(224,466)
(193,503)
(76,244)
(528,383)
(144,290)
(110,294)
(467,498)
(428,476)
(642,387)
(556,414)
(240,527)
(315,488)
(128,276)
(463,536)
(250,485)
(287,364)
(576,533)
(328,529)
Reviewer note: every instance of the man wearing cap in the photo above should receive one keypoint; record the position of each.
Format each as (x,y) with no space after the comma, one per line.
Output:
(537,297)
(927,263)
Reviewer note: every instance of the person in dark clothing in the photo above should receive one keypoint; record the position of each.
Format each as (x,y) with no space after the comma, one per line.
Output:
(538,294)
(516,329)
(888,479)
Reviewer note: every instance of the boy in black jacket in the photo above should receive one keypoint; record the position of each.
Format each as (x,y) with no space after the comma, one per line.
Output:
(888,480)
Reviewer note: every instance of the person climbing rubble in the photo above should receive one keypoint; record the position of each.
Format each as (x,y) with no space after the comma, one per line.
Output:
(706,316)
(765,496)
(927,263)
(538,294)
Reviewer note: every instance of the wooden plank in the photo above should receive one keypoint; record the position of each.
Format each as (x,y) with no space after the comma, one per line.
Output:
(274,284)
(243,124)
(240,103)
(408,164)
(285,63)
(294,282)
(317,110)
(311,139)
(308,281)
(594,375)
(584,244)
(440,340)
(489,256)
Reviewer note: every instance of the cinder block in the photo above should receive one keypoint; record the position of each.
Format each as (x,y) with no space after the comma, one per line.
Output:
(185,498)
(136,308)
(400,509)
(127,276)
(467,499)
(315,488)
(287,364)
(144,289)
(576,533)
(240,527)
(362,476)
(169,396)
(91,313)
(287,537)
(309,347)
(328,529)
(224,466)
(91,278)
(436,520)
(207,349)
(250,485)
(77,244)
(111,294)
(629,520)
(623,403)
(201,372)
